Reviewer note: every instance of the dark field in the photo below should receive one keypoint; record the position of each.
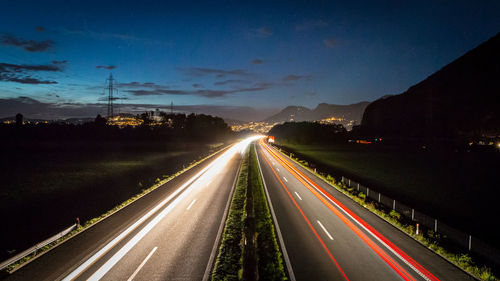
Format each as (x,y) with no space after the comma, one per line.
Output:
(45,186)
(459,188)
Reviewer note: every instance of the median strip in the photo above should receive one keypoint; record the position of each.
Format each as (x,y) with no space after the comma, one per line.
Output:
(249,249)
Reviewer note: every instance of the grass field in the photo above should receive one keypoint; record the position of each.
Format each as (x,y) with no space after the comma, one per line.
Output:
(458,187)
(44,187)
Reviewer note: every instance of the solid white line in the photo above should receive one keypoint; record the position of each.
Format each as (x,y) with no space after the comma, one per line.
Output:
(285,179)
(142,264)
(130,244)
(298,195)
(210,263)
(278,231)
(324,229)
(366,229)
(189,207)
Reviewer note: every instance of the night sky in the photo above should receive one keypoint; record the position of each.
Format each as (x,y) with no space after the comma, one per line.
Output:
(226,57)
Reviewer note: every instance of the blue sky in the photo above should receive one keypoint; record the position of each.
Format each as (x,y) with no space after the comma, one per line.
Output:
(263,55)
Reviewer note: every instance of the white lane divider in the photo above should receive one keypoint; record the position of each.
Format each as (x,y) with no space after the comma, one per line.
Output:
(285,179)
(298,195)
(142,264)
(324,229)
(192,203)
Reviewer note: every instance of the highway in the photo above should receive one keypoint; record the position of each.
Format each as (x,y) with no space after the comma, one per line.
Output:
(169,234)
(327,236)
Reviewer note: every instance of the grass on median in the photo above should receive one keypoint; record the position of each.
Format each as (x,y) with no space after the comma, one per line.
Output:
(231,257)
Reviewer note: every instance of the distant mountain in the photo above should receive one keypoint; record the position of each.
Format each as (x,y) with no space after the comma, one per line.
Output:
(348,113)
(461,99)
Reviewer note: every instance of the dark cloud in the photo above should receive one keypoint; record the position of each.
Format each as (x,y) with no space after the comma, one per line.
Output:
(59,61)
(23,73)
(264,32)
(330,42)
(196,85)
(40,28)
(231,81)
(219,73)
(35,109)
(311,24)
(27,45)
(141,85)
(109,67)
(207,93)
(293,77)
(257,61)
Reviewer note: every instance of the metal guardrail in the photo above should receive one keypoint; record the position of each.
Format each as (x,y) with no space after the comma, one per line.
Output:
(36,247)
(459,238)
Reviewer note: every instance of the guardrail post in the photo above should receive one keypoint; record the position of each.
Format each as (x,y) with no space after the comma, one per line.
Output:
(349,182)
(470,242)
(435,225)
(412,214)
(367,192)
(394,204)
(379,197)
(358,186)
(342,179)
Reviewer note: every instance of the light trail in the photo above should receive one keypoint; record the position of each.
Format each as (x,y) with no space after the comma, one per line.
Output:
(314,188)
(206,174)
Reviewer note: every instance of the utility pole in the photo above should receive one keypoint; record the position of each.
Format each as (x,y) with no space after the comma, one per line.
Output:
(110,95)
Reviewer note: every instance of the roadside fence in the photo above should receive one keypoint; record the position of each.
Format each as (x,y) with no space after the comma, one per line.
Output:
(459,238)
(37,246)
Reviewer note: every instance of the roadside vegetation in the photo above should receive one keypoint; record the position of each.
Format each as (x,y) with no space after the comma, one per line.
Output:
(153,184)
(249,248)
(427,237)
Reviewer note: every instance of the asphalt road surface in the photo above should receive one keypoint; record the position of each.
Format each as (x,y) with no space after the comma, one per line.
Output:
(169,234)
(327,236)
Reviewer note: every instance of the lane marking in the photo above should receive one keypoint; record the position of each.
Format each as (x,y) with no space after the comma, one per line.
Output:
(285,179)
(277,169)
(189,207)
(307,221)
(216,164)
(298,195)
(142,264)
(278,230)
(324,229)
(356,219)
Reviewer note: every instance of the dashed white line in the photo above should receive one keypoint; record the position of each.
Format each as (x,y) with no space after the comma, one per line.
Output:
(285,179)
(324,229)
(189,207)
(142,264)
(298,195)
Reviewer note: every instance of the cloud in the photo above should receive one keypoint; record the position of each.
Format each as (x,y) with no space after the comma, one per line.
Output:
(23,73)
(311,24)
(257,61)
(27,45)
(311,94)
(141,85)
(34,109)
(109,67)
(196,85)
(219,73)
(231,81)
(101,35)
(264,32)
(59,61)
(330,42)
(293,77)
(207,93)
(40,28)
